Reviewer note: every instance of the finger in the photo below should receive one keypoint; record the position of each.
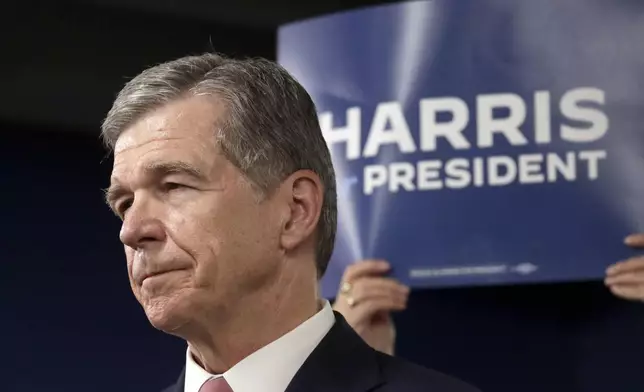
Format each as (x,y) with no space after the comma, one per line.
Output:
(399,300)
(635,240)
(377,287)
(628,291)
(365,268)
(367,309)
(629,265)
(352,307)
(635,277)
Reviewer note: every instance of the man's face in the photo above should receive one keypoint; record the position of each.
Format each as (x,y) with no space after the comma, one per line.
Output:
(196,237)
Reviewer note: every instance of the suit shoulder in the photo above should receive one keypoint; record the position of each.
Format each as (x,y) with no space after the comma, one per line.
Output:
(403,375)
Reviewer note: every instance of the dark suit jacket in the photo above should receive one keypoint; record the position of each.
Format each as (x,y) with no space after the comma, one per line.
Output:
(343,362)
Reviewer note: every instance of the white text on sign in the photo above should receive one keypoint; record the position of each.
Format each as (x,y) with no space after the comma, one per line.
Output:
(389,128)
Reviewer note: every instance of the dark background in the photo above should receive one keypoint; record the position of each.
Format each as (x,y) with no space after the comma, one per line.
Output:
(68,321)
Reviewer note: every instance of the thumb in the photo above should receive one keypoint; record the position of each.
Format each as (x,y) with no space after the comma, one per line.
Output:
(635,240)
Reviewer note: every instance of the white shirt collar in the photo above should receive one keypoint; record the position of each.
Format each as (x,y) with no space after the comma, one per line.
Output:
(271,368)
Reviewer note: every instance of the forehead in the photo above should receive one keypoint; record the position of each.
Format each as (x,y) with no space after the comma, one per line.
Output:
(181,130)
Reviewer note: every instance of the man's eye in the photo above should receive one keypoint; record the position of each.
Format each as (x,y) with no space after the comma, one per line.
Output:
(121,208)
(170,186)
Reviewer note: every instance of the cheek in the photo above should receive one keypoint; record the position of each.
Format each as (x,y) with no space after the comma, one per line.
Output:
(253,238)
(227,236)
(191,230)
(234,245)
(195,237)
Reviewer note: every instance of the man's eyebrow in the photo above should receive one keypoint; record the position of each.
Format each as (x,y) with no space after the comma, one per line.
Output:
(162,169)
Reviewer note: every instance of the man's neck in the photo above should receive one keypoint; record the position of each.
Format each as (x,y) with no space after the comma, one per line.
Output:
(253,323)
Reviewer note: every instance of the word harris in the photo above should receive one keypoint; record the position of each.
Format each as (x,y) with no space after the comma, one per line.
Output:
(390,129)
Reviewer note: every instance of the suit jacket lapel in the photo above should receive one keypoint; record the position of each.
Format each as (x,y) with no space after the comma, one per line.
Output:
(341,362)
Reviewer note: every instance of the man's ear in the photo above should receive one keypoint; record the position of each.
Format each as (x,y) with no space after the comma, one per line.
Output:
(303,193)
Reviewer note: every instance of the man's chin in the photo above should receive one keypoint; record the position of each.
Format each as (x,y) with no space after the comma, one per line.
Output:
(165,314)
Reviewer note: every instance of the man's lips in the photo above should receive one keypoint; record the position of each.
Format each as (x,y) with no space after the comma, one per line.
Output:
(159,274)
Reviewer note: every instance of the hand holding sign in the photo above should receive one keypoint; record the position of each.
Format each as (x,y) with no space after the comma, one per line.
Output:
(626,279)
(366,298)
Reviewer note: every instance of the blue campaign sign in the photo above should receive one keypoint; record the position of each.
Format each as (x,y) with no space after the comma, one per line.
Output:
(480,142)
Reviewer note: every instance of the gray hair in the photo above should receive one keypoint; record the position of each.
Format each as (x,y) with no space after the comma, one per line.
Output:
(270,131)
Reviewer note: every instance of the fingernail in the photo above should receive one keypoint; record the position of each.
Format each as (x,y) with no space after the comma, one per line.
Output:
(629,240)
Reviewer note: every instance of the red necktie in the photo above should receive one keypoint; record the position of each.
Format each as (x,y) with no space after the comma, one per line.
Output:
(216,385)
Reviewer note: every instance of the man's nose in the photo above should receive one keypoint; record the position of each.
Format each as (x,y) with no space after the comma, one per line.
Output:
(142,225)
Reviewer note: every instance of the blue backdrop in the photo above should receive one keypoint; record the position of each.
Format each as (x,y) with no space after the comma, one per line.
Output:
(480,142)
